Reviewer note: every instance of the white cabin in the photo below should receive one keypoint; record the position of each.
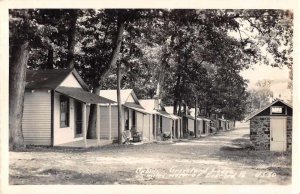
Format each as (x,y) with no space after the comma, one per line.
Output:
(55,107)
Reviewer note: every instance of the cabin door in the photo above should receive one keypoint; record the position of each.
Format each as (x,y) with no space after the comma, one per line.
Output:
(78,118)
(278,134)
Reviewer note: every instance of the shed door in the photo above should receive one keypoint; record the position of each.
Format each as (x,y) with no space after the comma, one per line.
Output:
(278,134)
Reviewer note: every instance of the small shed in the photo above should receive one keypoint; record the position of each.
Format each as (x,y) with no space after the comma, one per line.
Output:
(271,127)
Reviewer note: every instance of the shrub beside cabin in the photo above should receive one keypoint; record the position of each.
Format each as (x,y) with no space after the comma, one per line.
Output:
(271,127)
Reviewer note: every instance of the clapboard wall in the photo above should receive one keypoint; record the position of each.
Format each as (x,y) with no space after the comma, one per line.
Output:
(36,122)
(104,122)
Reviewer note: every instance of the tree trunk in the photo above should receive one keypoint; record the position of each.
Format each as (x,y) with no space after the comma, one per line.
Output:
(175,103)
(49,64)
(120,119)
(179,108)
(93,111)
(17,78)
(72,38)
(164,63)
(121,27)
(195,122)
(177,92)
(91,132)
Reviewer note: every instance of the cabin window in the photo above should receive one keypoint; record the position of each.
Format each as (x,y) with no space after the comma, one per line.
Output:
(64,111)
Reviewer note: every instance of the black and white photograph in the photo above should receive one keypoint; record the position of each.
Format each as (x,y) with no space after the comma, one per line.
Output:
(150,96)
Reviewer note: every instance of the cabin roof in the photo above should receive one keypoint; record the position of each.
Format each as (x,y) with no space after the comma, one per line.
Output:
(50,78)
(148,104)
(112,95)
(169,109)
(137,107)
(82,95)
(133,105)
(267,106)
(165,114)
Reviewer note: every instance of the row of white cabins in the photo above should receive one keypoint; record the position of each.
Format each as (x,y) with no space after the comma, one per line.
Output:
(56,111)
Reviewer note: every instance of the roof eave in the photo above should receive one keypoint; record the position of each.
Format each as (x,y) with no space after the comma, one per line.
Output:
(261,110)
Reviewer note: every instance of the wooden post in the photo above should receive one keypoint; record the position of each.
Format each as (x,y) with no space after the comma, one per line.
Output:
(181,127)
(84,123)
(98,124)
(143,126)
(129,119)
(195,122)
(109,120)
(149,116)
(155,127)
(172,130)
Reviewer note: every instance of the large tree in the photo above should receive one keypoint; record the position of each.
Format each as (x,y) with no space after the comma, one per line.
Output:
(24,32)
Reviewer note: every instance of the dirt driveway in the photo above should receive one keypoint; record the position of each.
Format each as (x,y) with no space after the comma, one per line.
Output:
(220,159)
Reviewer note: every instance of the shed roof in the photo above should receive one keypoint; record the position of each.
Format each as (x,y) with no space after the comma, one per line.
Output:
(267,106)
(50,78)
(112,94)
(82,95)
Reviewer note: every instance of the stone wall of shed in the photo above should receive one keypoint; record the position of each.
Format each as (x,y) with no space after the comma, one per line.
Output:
(260,132)
(289,132)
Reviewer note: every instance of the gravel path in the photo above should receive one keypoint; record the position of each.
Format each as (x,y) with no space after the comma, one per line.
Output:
(224,158)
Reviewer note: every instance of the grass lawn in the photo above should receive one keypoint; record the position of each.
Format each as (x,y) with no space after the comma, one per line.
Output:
(220,159)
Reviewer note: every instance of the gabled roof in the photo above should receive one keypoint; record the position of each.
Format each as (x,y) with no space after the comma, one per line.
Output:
(82,95)
(165,114)
(112,95)
(133,105)
(50,78)
(136,107)
(169,109)
(148,104)
(267,106)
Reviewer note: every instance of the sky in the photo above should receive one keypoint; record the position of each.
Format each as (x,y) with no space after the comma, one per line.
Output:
(279,76)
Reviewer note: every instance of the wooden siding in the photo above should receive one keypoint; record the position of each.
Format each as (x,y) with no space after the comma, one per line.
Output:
(104,122)
(191,124)
(147,129)
(70,81)
(139,121)
(36,122)
(166,124)
(200,126)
